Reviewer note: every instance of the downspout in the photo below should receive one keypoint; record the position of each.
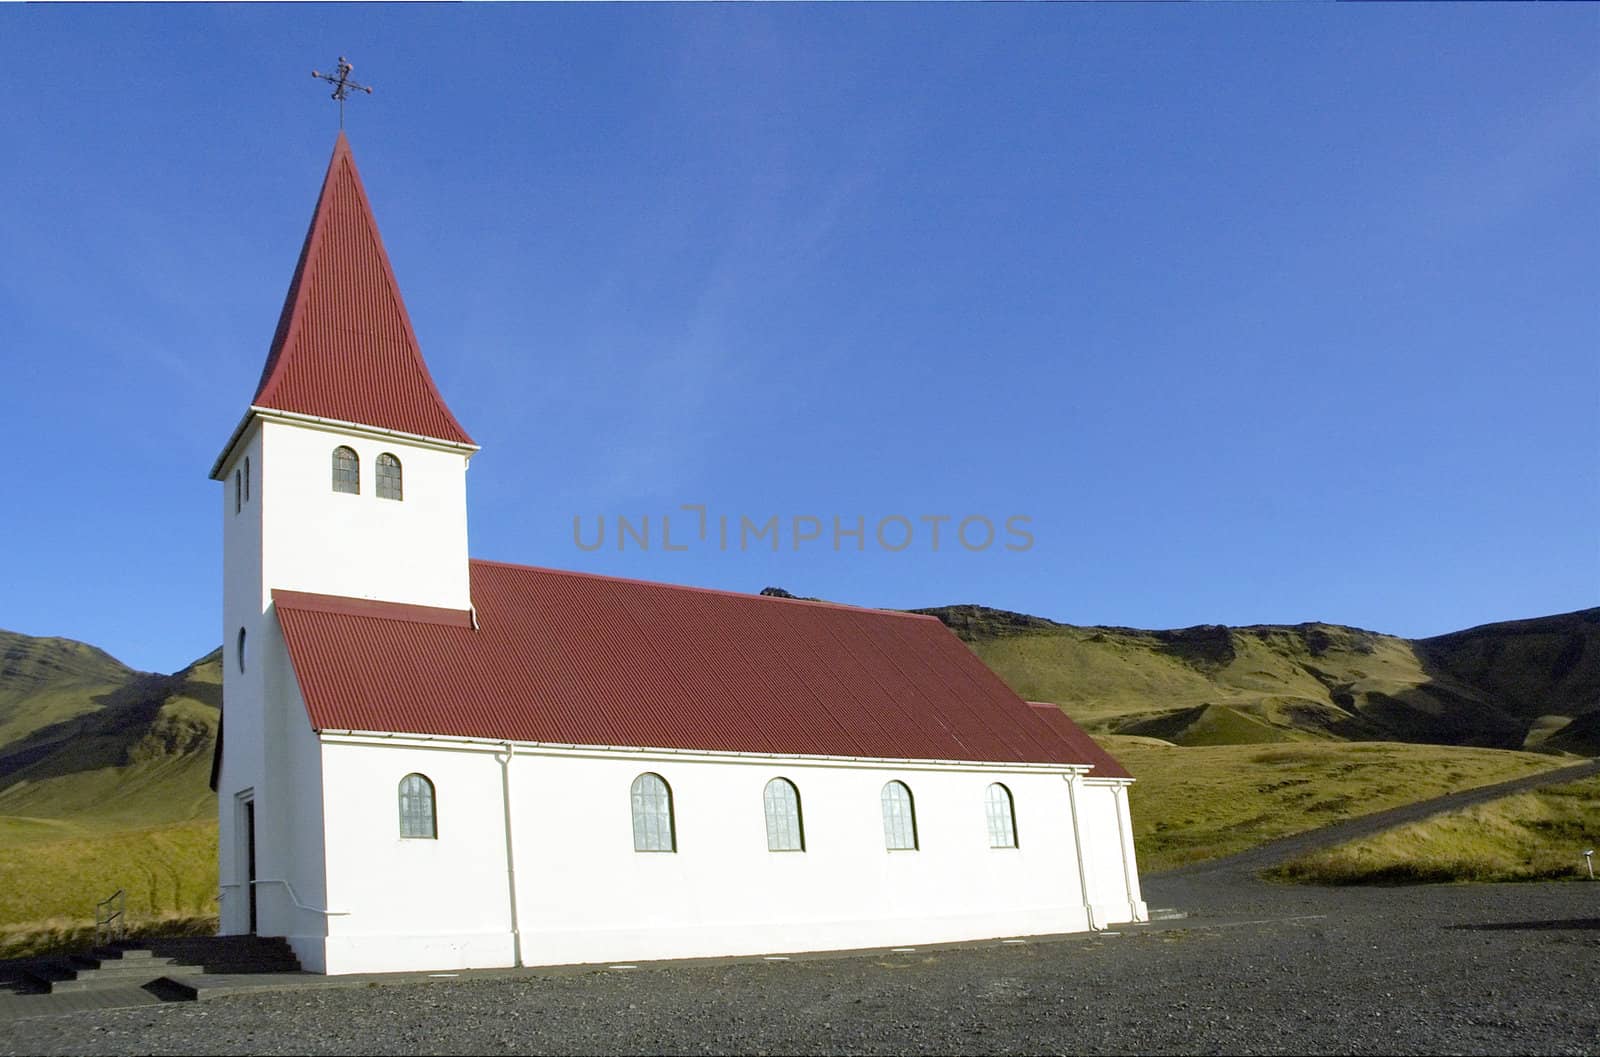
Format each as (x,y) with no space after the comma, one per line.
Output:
(1130,872)
(1077,846)
(511,854)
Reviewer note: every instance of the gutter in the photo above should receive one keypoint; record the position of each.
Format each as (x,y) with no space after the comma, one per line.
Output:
(338,425)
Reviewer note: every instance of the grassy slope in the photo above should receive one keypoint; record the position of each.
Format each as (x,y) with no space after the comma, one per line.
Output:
(123,802)
(1537,835)
(1193,803)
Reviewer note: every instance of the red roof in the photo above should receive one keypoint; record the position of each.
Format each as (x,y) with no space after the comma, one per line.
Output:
(574,658)
(1089,750)
(344,348)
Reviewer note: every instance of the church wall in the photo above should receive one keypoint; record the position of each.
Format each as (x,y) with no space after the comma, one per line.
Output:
(1103,820)
(243,761)
(723,892)
(415,903)
(412,550)
(292,891)
(584,894)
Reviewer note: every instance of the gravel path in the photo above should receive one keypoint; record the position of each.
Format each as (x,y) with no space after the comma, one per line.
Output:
(1480,969)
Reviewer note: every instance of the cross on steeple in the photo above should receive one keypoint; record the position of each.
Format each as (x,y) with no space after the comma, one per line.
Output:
(342,84)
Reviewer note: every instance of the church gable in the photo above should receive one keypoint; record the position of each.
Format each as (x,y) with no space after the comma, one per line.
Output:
(575,658)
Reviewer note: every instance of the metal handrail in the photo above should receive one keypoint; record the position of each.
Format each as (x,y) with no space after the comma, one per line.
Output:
(110,917)
(294,897)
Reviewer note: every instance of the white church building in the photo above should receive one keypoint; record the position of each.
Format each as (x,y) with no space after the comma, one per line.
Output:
(431,762)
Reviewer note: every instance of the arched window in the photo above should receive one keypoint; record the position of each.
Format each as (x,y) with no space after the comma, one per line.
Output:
(784,831)
(388,477)
(240,650)
(652,814)
(416,808)
(238,491)
(247,478)
(899,818)
(346,470)
(1002,817)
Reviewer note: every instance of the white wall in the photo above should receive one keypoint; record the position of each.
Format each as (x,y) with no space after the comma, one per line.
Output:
(415,903)
(413,550)
(243,761)
(584,894)
(1113,880)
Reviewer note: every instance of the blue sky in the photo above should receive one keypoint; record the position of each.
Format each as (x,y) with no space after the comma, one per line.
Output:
(1258,313)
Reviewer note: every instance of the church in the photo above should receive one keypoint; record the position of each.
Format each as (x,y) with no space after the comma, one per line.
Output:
(435,762)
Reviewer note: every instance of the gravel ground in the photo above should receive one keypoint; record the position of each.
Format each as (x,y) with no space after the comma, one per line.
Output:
(1464,969)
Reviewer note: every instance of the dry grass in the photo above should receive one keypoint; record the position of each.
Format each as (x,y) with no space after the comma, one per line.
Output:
(1204,802)
(66,937)
(1532,836)
(166,871)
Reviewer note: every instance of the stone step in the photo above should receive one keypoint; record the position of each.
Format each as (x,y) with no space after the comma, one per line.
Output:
(61,977)
(103,963)
(1167,914)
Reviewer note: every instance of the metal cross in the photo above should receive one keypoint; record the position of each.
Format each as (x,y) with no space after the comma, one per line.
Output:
(342,84)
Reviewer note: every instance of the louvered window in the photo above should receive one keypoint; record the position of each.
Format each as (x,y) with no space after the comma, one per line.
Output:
(1002,817)
(416,808)
(388,477)
(782,801)
(652,814)
(346,471)
(899,818)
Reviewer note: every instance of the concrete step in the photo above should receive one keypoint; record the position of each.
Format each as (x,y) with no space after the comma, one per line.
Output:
(1167,914)
(63,977)
(232,954)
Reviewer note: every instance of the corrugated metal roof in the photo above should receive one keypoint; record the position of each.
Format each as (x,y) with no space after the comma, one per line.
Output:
(575,658)
(344,347)
(1105,764)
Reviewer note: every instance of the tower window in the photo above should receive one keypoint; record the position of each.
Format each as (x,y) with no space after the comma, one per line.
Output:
(247,478)
(388,477)
(239,650)
(346,471)
(238,491)
(416,808)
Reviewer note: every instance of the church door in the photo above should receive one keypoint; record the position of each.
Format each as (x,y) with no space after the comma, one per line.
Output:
(250,854)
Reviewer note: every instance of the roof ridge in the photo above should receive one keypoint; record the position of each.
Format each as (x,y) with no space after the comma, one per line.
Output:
(704,590)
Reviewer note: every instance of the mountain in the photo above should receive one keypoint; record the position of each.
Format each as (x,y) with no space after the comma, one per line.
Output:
(93,744)
(48,681)
(1513,685)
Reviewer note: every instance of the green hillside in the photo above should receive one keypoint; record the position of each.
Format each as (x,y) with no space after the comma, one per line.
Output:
(46,682)
(105,787)
(1522,684)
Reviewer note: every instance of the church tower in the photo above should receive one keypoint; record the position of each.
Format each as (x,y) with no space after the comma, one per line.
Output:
(346,476)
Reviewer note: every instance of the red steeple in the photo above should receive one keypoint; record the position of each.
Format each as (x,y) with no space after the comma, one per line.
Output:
(344,348)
